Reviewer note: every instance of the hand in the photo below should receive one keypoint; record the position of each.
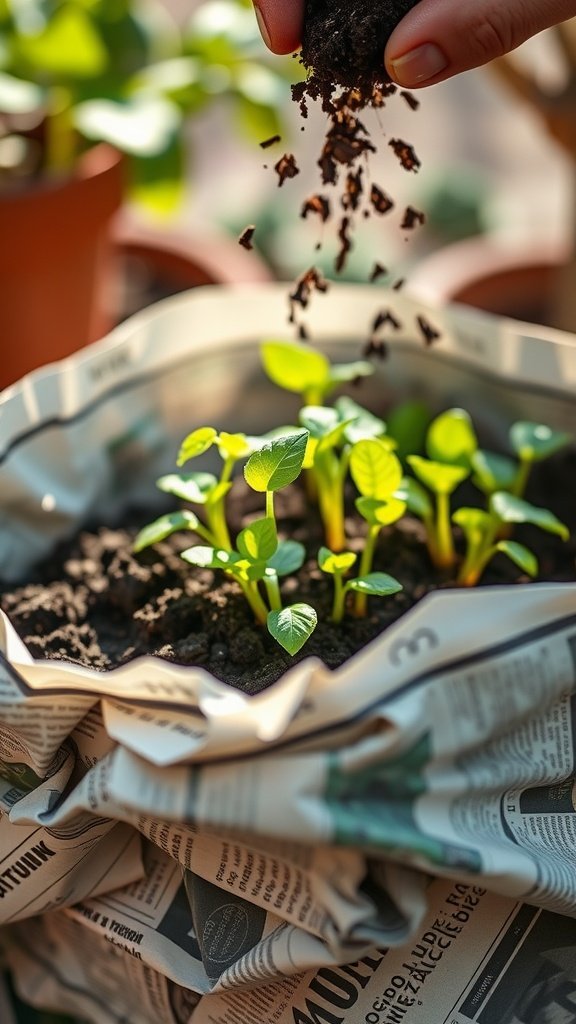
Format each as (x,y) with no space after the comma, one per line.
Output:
(438,38)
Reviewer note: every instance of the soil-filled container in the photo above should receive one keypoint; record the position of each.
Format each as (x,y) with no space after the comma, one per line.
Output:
(93,760)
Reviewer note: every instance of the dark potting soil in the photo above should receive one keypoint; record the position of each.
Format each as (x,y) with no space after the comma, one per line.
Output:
(343,41)
(96,603)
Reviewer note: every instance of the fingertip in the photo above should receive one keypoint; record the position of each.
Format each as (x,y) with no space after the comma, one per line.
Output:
(280,24)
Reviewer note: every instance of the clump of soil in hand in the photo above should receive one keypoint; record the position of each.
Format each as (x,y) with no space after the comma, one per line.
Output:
(343,41)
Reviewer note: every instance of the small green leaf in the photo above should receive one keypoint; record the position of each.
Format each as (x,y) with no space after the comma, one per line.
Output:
(511,509)
(343,373)
(536,441)
(492,472)
(163,527)
(259,541)
(335,564)
(438,477)
(379,584)
(192,487)
(198,442)
(408,425)
(319,420)
(277,463)
(288,557)
(520,555)
(416,498)
(474,523)
(295,367)
(362,424)
(210,558)
(292,626)
(381,513)
(451,438)
(234,446)
(376,470)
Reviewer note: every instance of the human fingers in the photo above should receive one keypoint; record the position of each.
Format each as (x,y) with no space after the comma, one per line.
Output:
(441,38)
(280,23)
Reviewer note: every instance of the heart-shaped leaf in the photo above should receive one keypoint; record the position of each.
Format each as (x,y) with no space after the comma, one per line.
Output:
(379,584)
(439,478)
(295,367)
(536,441)
(163,527)
(198,442)
(292,626)
(451,438)
(381,513)
(207,557)
(520,555)
(192,487)
(492,472)
(288,557)
(376,470)
(234,446)
(474,522)
(408,425)
(335,564)
(277,463)
(362,424)
(259,541)
(416,498)
(343,373)
(318,420)
(511,509)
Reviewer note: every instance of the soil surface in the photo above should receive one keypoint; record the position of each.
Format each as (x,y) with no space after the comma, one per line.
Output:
(96,603)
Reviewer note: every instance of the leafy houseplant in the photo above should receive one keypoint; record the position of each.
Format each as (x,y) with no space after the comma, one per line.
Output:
(79,77)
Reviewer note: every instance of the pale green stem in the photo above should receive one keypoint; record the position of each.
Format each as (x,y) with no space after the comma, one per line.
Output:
(273,591)
(60,133)
(339,598)
(519,486)
(443,555)
(366,563)
(252,595)
(270,506)
(226,473)
(216,516)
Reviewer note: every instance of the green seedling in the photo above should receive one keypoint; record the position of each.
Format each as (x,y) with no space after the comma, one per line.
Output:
(482,532)
(260,559)
(333,434)
(306,371)
(531,443)
(450,444)
(377,473)
(337,565)
(199,488)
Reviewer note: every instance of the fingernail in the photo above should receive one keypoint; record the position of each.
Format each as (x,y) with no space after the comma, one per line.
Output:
(418,65)
(262,26)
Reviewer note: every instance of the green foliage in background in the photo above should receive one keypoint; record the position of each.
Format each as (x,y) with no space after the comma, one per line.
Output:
(123,72)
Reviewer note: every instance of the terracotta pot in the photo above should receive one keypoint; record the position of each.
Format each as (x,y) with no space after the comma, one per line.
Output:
(55,264)
(519,282)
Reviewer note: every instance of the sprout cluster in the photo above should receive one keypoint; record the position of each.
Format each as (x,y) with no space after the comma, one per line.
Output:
(337,447)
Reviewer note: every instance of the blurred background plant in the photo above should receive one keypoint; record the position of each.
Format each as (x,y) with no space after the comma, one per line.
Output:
(76,72)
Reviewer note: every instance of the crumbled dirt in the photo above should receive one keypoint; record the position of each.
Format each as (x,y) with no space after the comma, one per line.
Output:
(96,603)
(343,40)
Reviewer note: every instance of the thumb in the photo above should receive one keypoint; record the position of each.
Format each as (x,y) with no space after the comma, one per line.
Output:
(280,23)
(441,38)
